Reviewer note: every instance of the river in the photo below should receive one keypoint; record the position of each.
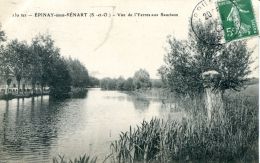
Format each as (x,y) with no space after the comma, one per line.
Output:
(37,129)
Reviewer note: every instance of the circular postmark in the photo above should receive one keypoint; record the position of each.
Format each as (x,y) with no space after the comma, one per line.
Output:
(207,25)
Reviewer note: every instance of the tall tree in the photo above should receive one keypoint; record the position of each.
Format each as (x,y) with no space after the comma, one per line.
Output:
(45,54)
(120,83)
(186,60)
(18,55)
(128,84)
(5,67)
(5,64)
(60,79)
(78,72)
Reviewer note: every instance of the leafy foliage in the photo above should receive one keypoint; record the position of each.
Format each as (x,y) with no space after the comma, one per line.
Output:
(2,35)
(93,82)
(46,56)
(60,79)
(78,73)
(108,84)
(17,56)
(41,64)
(186,60)
(142,79)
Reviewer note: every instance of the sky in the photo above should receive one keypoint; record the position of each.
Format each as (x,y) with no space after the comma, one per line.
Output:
(108,46)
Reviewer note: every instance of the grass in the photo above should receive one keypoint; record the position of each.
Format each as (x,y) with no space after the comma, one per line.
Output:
(81,159)
(153,93)
(249,90)
(233,137)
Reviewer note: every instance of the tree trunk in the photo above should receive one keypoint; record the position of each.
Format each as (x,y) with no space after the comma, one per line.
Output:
(18,79)
(41,89)
(8,82)
(7,89)
(33,89)
(18,86)
(23,89)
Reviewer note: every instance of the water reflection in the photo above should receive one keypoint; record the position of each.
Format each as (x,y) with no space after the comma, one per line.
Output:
(141,103)
(80,93)
(36,129)
(27,131)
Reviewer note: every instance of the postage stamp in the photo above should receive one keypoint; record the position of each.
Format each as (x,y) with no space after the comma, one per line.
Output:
(239,17)
(227,20)
(205,22)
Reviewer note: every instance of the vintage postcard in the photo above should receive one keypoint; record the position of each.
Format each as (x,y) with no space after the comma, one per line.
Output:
(129,81)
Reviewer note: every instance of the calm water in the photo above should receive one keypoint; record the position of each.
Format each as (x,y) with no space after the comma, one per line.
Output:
(36,129)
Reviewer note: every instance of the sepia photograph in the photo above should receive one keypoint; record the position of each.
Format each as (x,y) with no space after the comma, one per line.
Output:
(129,81)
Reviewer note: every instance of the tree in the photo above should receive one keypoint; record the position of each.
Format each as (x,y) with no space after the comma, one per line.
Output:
(108,84)
(186,60)
(93,82)
(45,56)
(18,57)
(60,79)
(128,84)
(78,72)
(142,79)
(41,63)
(234,66)
(162,72)
(120,83)
(5,69)
(182,75)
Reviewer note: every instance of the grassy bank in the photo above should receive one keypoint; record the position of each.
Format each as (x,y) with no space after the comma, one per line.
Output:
(165,94)
(153,93)
(233,138)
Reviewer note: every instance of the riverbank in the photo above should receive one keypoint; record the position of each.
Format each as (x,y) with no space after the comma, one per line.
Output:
(78,92)
(74,93)
(166,94)
(153,93)
(27,95)
(233,138)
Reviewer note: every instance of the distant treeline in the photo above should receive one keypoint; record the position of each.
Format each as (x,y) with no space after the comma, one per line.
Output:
(140,80)
(252,81)
(40,63)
